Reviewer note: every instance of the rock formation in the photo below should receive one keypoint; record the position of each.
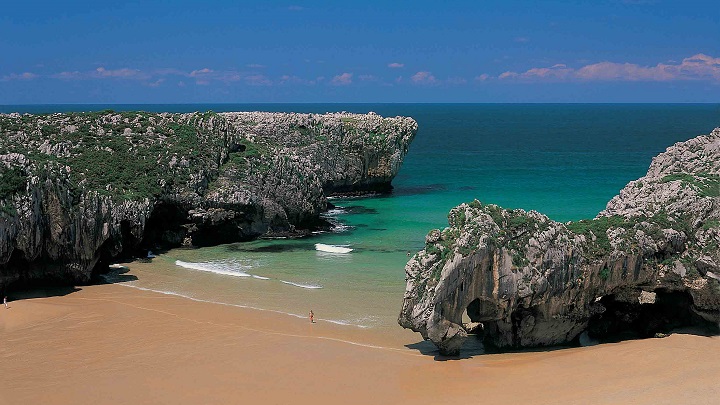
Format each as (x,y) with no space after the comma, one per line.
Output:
(647,263)
(78,190)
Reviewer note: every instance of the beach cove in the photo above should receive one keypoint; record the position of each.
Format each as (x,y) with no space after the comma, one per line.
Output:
(111,344)
(371,202)
(228,323)
(565,161)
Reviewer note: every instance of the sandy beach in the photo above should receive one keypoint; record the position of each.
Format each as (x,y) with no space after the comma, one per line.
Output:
(109,344)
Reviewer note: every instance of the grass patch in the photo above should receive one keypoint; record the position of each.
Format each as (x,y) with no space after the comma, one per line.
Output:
(711,223)
(706,184)
(597,229)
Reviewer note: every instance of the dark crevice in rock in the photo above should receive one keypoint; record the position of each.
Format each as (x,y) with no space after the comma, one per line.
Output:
(41,272)
(128,247)
(623,320)
(164,227)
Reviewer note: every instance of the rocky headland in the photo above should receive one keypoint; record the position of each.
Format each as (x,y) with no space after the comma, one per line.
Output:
(80,190)
(648,263)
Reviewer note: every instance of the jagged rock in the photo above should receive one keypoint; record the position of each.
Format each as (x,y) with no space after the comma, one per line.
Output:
(80,189)
(647,263)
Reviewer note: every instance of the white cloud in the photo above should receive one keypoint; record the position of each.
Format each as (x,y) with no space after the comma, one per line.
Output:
(696,67)
(291,79)
(67,75)
(125,73)
(343,79)
(423,77)
(21,76)
(156,83)
(395,65)
(201,72)
(206,75)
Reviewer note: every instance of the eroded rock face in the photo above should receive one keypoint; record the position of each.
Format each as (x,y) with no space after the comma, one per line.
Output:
(77,190)
(648,262)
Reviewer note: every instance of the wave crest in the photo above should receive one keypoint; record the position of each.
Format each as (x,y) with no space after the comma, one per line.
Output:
(224,268)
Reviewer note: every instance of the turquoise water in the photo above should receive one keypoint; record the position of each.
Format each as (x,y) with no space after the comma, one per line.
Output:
(563,160)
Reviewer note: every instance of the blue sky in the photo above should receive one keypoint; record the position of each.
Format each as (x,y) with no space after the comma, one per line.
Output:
(367,51)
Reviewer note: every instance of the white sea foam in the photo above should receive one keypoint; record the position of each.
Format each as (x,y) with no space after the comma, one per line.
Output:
(335,211)
(340,228)
(227,269)
(346,322)
(260,277)
(310,286)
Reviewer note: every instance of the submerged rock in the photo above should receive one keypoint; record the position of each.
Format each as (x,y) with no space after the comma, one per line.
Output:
(78,190)
(647,263)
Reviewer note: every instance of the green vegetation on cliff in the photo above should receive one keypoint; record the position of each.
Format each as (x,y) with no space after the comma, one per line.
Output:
(706,184)
(12,180)
(129,155)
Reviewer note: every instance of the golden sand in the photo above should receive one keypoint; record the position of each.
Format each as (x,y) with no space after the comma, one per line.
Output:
(109,344)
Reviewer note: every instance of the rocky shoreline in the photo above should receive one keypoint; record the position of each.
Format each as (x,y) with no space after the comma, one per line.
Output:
(648,263)
(79,190)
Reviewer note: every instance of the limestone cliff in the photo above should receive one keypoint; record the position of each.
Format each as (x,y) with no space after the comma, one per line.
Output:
(647,263)
(78,190)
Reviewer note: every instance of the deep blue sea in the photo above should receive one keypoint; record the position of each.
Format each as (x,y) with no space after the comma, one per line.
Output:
(564,160)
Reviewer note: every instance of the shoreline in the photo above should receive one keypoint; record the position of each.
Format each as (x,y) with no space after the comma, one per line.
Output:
(112,344)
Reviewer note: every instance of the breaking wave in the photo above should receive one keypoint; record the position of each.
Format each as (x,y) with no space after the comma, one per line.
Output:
(301,285)
(224,268)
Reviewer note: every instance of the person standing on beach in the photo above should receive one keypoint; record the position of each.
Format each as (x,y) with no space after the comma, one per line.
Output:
(5,302)
(312,317)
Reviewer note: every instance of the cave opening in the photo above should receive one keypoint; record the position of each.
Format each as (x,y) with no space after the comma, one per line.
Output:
(623,320)
(477,312)
(114,250)
(163,229)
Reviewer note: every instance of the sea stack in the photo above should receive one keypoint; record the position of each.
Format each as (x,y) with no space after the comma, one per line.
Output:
(646,264)
(79,190)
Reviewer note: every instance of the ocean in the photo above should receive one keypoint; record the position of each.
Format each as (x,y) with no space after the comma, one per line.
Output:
(564,160)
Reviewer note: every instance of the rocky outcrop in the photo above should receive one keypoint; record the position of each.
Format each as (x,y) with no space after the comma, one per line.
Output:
(647,263)
(78,190)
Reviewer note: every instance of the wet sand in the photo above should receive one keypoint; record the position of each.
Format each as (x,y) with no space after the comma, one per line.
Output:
(109,344)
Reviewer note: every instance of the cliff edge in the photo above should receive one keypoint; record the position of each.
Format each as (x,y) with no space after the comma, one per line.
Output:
(79,190)
(648,263)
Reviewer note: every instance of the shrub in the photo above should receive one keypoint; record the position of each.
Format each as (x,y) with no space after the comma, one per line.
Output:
(711,223)
(604,273)
(12,180)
